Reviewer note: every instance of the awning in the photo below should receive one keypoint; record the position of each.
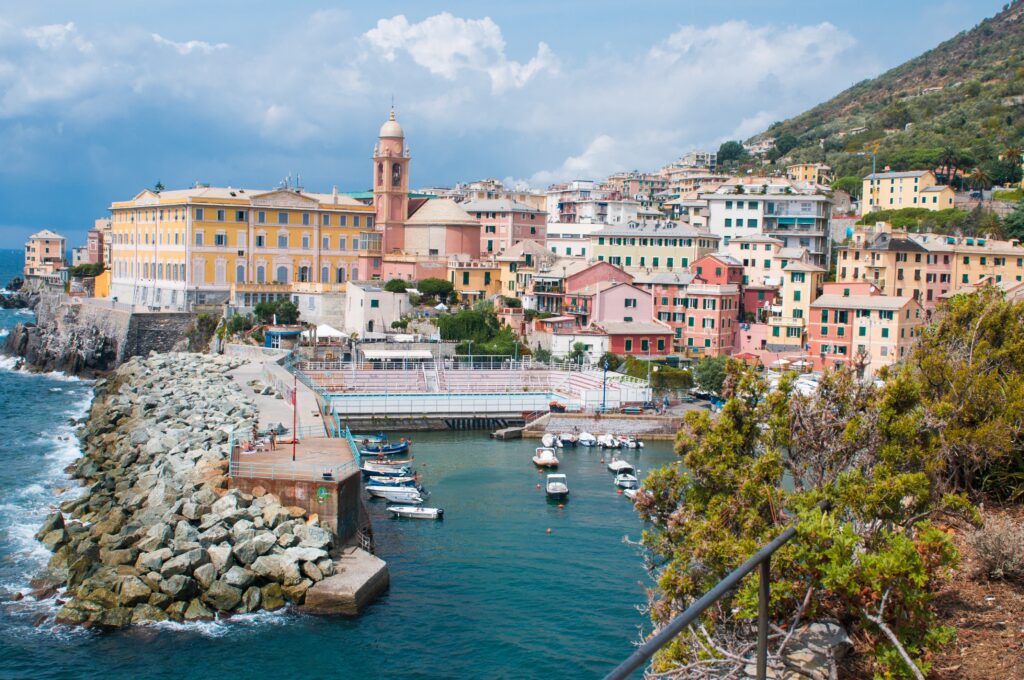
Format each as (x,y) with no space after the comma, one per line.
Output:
(398,354)
(324,331)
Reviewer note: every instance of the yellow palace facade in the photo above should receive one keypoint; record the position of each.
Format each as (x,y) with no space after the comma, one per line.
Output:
(177,247)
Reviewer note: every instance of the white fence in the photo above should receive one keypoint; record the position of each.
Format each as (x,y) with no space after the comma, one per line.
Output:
(427,404)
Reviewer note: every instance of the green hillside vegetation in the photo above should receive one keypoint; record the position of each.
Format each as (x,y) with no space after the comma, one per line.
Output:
(957,109)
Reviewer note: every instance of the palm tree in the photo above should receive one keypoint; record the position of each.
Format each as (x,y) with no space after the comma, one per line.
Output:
(980,179)
(1012,153)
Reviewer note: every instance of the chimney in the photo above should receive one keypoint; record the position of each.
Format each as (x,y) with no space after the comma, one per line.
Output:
(334,193)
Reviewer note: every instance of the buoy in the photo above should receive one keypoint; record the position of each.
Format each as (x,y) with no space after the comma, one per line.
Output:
(538,486)
(620,492)
(560,506)
(549,530)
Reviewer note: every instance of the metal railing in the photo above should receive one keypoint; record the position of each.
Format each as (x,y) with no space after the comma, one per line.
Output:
(760,561)
(290,471)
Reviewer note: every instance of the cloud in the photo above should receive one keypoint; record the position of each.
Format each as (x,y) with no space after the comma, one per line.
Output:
(601,154)
(56,36)
(190,46)
(447,45)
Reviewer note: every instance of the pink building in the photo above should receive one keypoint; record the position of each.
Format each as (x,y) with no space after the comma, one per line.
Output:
(714,317)
(504,223)
(668,291)
(94,246)
(610,301)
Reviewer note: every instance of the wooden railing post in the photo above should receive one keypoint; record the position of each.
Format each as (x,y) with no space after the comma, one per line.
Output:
(763,598)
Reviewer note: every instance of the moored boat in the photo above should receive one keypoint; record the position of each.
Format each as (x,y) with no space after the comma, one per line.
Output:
(375,480)
(416,513)
(375,469)
(368,449)
(567,439)
(626,479)
(607,441)
(587,439)
(545,457)
(616,465)
(557,487)
(397,494)
(378,438)
(550,441)
(630,493)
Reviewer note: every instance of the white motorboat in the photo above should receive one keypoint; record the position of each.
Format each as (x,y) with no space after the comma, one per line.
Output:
(568,439)
(375,480)
(630,493)
(397,494)
(416,513)
(378,470)
(587,439)
(626,480)
(545,457)
(630,442)
(551,441)
(616,465)
(607,441)
(557,487)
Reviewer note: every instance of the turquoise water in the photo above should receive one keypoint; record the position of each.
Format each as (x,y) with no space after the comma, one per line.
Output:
(486,593)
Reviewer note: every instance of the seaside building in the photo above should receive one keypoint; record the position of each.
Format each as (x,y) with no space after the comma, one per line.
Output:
(854,324)
(370,310)
(44,253)
(79,255)
(890,190)
(810,173)
(668,294)
(505,223)
(94,246)
(787,325)
(475,280)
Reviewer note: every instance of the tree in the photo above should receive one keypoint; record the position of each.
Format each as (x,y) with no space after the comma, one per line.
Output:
(542,355)
(158,187)
(435,288)
(731,151)
(1013,225)
(285,311)
(980,179)
(395,286)
(577,354)
(610,360)
(709,374)
(765,462)
(851,184)
(786,143)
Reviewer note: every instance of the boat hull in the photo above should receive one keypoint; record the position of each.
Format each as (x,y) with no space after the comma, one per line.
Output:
(384,449)
(409,512)
(397,495)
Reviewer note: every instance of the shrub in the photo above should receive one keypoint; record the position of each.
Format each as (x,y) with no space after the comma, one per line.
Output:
(999,548)
(395,286)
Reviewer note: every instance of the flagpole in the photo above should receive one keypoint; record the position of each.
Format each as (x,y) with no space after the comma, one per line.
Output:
(295,413)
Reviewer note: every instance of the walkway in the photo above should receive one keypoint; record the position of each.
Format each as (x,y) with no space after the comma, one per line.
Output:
(273,410)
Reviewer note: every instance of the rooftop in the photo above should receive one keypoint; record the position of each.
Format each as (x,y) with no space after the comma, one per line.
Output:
(498,205)
(798,266)
(633,328)
(897,175)
(441,211)
(882,302)
(663,229)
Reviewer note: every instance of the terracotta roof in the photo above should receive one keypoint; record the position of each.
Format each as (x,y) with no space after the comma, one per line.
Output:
(633,328)
(883,302)
(802,267)
(498,205)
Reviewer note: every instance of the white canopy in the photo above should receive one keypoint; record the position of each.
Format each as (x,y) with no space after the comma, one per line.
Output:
(398,354)
(441,307)
(324,331)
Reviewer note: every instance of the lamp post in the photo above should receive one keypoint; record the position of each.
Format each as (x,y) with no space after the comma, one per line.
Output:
(471,354)
(604,383)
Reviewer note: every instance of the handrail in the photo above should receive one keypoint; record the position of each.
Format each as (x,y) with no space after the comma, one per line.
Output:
(762,558)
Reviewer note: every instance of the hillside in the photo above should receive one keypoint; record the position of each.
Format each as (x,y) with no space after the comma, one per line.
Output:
(966,95)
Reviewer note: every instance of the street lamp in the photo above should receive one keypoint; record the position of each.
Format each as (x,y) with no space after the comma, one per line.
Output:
(874,158)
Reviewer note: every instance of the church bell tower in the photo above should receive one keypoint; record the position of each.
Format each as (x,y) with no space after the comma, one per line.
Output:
(391,184)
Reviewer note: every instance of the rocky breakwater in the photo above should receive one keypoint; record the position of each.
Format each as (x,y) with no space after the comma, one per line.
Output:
(157,534)
(61,340)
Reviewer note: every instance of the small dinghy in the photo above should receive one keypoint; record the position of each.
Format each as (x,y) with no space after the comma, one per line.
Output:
(587,439)
(397,494)
(567,439)
(616,465)
(557,487)
(630,493)
(379,438)
(369,449)
(415,512)
(390,481)
(550,441)
(545,457)
(607,441)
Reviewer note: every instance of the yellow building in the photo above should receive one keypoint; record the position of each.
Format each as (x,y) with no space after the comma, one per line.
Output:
(801,285)
(171,247)
(913,189)
(44,253)
(519,264)
(813,173)
(667,246)
(475,279)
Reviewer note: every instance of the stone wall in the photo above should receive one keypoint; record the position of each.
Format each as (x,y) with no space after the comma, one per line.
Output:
(336,506)
(88,337)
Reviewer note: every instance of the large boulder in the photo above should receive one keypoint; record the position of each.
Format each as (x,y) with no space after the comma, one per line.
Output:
(280,568)
(347,593)
(179,587)
(205,575)
(222,597)
(220,557)
(197,611)
(152,561)
(133,591)
(313,537)
(184,563)
(247,551)
(239,577)
(271,596)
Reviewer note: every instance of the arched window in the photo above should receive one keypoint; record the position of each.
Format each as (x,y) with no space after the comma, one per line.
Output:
(340,275)
(240,273)
(282,274)
(380,174)
(261,274)
(325,274)
(396,174)
(303,273)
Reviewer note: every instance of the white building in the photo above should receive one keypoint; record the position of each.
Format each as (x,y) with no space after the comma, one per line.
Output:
(571,239)
(792,212)
(370,310)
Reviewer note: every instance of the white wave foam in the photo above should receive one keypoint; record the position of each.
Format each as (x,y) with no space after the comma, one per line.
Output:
(10,364)
(4,332)
(238,623)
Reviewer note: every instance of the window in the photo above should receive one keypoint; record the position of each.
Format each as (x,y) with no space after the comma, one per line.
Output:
(240,216)
(824,330)
(220,239)
(327,220)
(487,278)
(305,241)
(465,278)
(796,296)
(629,345)
(327,243)
(199,214)
(221,216)
(355,220)
(862,331)
(261,217)
(282,240)
(199,238)
(369,220)
(374,304)
(261,240)
(282,218)
(341,242)
(885,332)
(305,219)
(342,220)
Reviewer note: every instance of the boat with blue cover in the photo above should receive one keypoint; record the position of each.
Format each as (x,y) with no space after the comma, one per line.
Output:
(368,449)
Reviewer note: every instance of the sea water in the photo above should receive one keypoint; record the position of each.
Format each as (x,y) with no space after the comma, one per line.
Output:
(485,593)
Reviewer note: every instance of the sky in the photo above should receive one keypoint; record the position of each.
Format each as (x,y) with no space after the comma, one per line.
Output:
(99,100)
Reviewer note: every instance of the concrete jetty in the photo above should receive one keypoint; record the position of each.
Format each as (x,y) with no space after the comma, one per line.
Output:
(358,580)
